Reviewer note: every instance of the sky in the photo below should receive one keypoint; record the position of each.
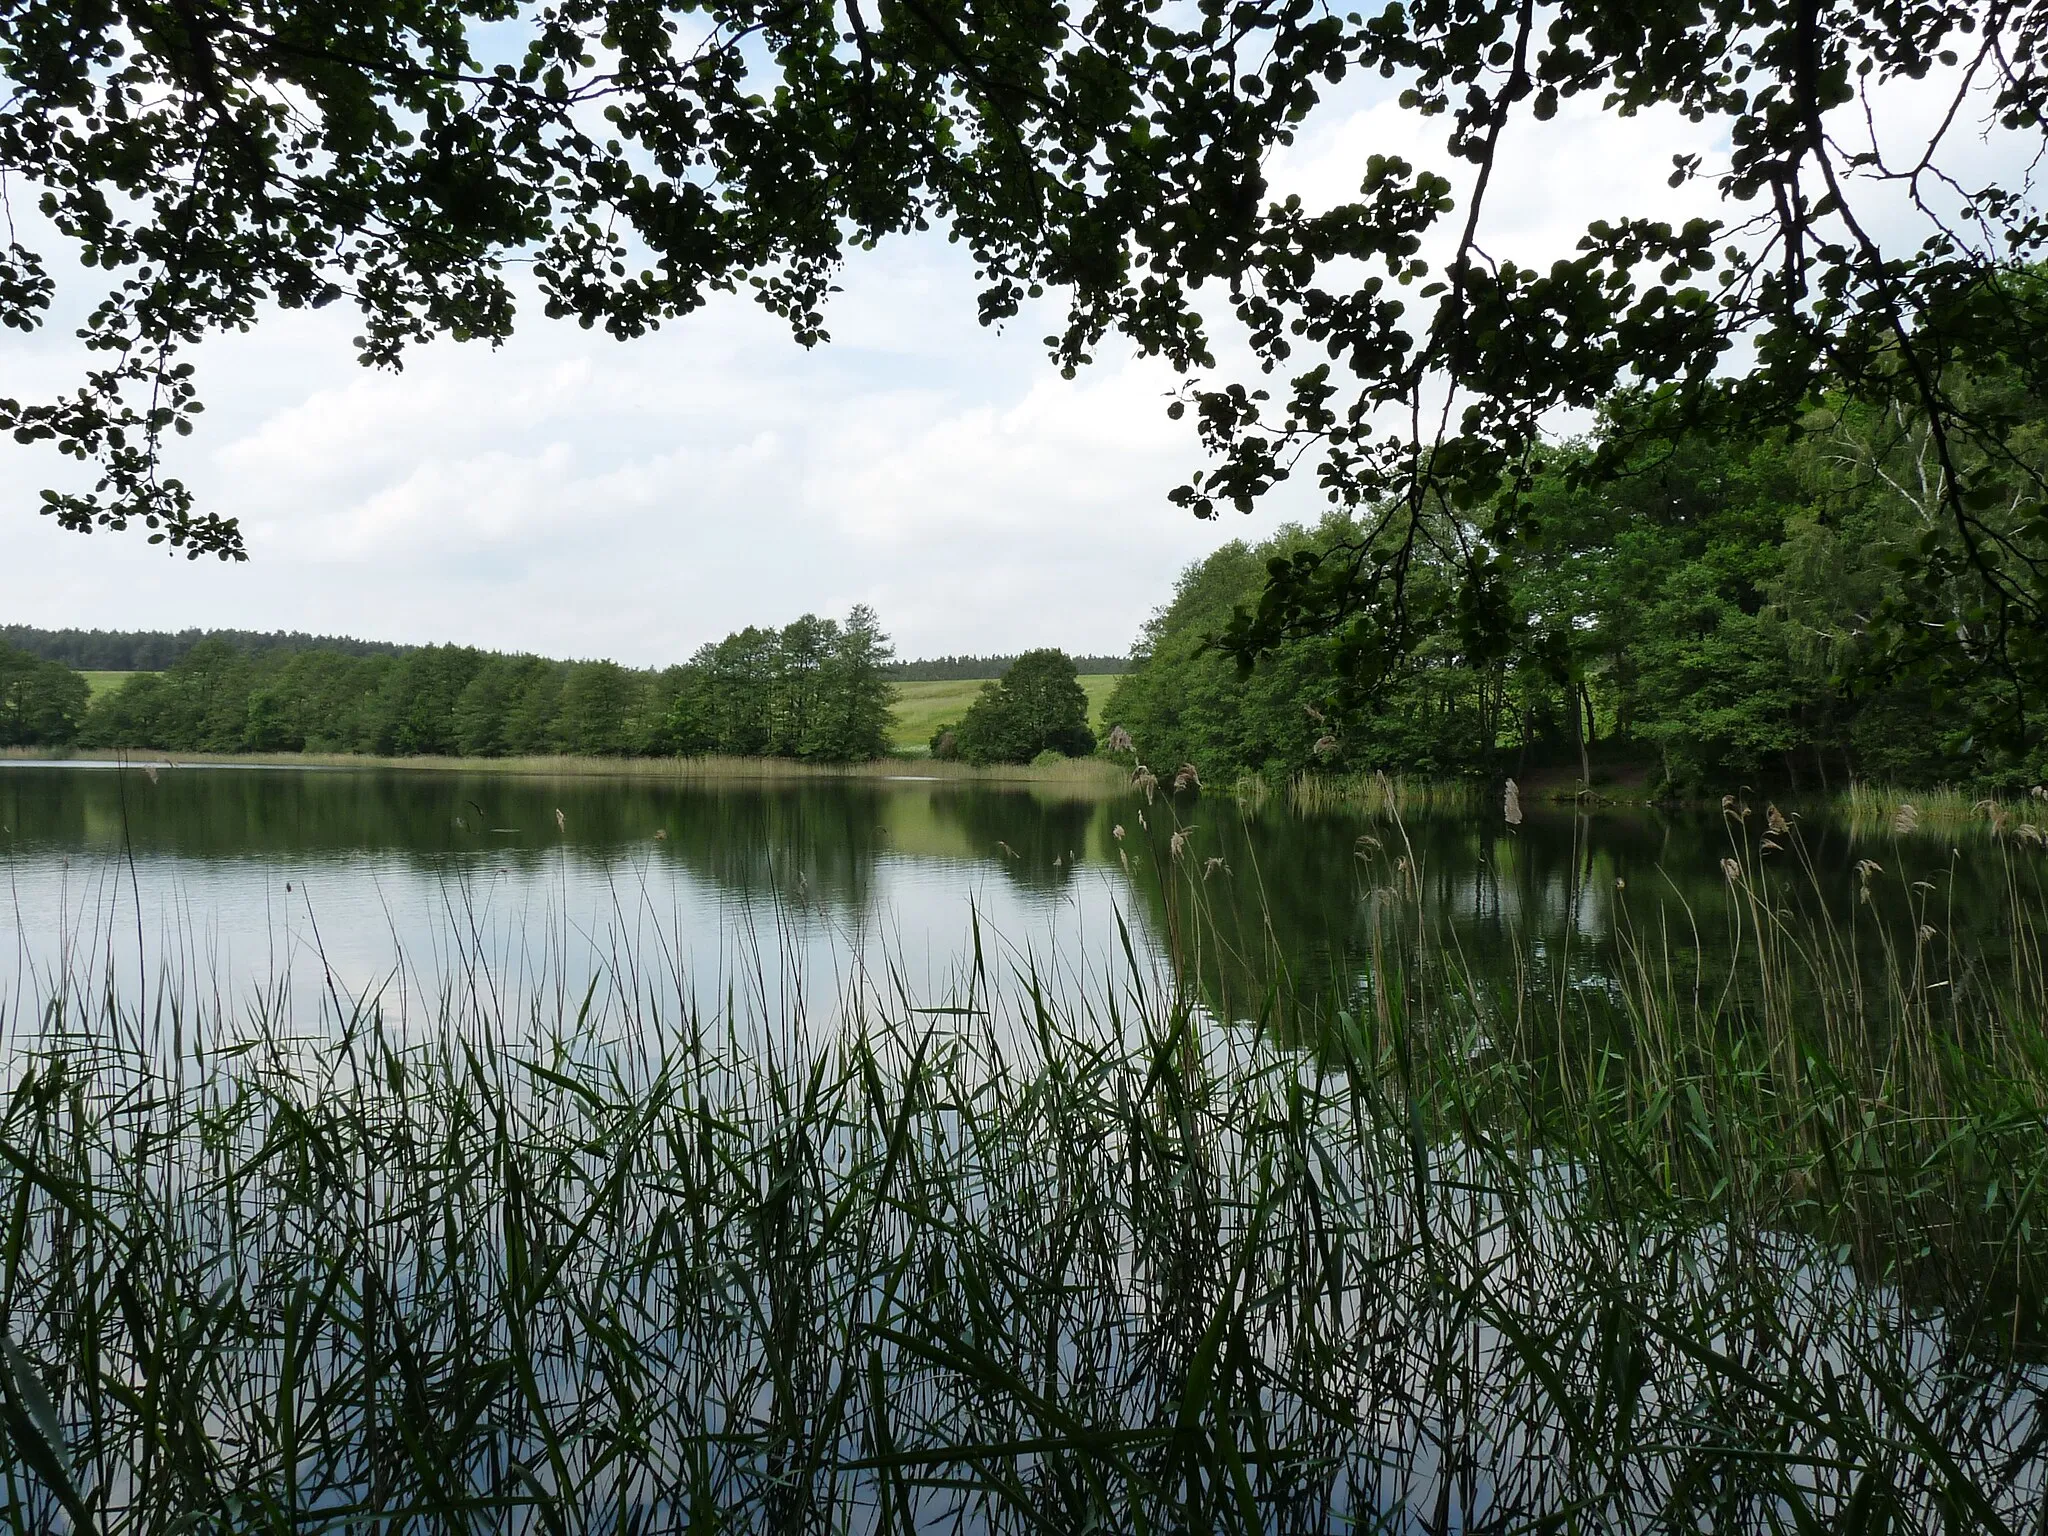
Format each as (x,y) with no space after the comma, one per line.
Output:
(576,496)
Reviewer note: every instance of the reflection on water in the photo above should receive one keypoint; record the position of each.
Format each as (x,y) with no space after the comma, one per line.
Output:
(393,885)
(396,882)
(569,1277)
(1060,1259)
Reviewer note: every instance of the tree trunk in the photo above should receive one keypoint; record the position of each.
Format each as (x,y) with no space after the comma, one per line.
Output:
(1579,736)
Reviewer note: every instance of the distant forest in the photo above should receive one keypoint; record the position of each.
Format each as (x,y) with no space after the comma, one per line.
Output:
(157,650)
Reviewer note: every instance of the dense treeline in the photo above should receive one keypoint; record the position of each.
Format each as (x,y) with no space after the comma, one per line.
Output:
(1712,616)
(153,650)
(41,702)
(948,669)
(813,689)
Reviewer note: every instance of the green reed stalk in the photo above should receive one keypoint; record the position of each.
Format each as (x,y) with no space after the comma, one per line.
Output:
(1004,1260)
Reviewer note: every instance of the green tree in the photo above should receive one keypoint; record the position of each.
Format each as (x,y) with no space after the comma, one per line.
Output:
(125,716)
(415,710)
(992,731)
(857,697)
(533,725)
(740,677)
(813,689)
(42,703)
(201,704)
(666,712)
(1036,706)
(796,705)
(483,711)
(600,709)
(1186,700)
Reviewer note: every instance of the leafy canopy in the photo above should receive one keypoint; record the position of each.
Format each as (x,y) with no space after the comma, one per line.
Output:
(1688,625)
(209,159)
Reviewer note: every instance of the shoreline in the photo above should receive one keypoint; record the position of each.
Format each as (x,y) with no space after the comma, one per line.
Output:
(1084,774)
(1088,776)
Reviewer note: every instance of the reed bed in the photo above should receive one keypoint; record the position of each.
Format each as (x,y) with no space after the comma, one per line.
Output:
(1856,1071)
(992,1260)
(1370,794)
(1942,808)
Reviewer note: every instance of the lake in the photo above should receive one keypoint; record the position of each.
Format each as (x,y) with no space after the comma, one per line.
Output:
(388,884)
(415,1151)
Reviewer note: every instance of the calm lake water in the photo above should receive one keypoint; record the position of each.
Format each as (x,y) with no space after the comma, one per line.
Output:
(394,884)
(1419,1324)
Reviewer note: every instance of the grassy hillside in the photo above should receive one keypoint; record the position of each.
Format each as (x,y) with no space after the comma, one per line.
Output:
(921,708)
(104,682)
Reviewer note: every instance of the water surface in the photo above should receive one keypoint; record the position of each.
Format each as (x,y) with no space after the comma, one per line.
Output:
(392,883)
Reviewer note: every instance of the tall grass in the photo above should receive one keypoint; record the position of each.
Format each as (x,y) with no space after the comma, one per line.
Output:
(1028,1256)
(1371,794)
(1872,1078)
(1943,807)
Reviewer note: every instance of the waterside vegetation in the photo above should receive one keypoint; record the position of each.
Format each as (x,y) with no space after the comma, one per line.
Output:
(1719,611)
(40,701)
(1087,776)
(815,691)
(923,708)
(1038,708)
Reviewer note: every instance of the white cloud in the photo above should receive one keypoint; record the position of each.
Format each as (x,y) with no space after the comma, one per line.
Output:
(569,494)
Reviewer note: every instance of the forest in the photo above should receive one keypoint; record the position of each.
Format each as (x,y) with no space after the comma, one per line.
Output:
(1708,613)
(41,702)
(812,689)
(154,650)
(1037,707)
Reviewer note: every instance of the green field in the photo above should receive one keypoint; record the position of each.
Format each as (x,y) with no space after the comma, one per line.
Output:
(921,708)
(104,682)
